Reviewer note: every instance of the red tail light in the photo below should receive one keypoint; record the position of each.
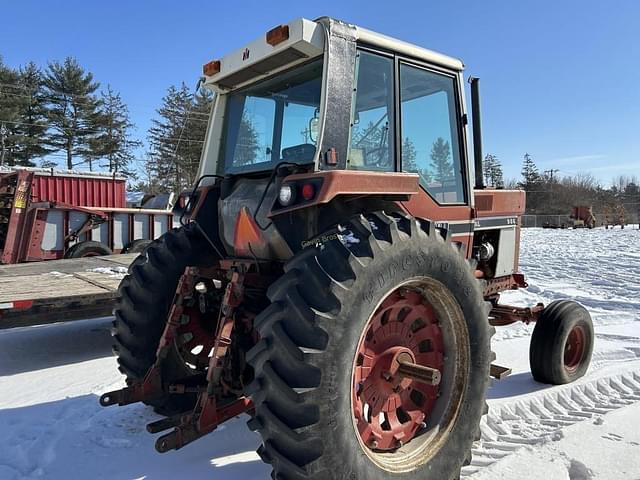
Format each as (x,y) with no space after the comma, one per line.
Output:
(308,191)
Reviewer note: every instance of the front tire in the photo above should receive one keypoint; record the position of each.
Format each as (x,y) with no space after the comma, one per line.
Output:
(304,391)
(562,343)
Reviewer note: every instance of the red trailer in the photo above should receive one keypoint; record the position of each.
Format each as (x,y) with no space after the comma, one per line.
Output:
(46,215)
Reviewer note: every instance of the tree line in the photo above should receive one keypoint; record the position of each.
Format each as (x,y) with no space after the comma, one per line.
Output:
(61,112)
(550,194)
(61,116)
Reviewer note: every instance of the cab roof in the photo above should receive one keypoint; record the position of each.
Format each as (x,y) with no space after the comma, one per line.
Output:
(297,41)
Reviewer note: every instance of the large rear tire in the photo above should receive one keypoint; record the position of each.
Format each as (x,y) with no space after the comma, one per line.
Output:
(145,297)
(307,363)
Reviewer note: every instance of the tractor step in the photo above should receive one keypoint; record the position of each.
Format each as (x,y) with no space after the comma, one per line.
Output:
(499,372)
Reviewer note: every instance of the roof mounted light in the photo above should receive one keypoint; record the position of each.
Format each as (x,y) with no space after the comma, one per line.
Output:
(278,35)
(211,68)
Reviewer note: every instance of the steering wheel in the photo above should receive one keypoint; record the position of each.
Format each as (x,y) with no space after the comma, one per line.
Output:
(377,157)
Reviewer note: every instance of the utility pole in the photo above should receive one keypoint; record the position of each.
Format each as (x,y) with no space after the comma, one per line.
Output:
(551,172)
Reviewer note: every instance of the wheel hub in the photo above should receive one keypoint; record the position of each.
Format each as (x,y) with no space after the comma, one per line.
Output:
(574,348)
(396,373)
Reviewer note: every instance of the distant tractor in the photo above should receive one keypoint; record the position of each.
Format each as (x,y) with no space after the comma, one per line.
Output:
(614,215)
(583,217)
(337,276)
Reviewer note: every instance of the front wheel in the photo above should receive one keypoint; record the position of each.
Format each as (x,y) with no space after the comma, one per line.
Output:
(355,324)
(562,343)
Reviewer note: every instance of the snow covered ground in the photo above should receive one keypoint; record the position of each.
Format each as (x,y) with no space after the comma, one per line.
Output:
(51,426)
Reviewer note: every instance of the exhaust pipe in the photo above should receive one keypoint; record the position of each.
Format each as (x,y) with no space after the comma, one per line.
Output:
(477,131)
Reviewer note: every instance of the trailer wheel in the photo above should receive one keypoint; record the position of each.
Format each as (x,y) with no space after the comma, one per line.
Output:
(137,246)
(145,297)
(562,343)
(331,398)
(88,248)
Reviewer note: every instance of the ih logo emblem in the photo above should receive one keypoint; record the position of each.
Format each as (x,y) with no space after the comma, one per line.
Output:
(245,54)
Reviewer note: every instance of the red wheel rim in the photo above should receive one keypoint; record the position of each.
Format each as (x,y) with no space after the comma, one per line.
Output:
(574,348)
(195,337)
(389,410)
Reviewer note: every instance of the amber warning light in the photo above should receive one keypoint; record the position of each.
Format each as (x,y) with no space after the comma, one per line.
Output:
(278,35)
(211,68)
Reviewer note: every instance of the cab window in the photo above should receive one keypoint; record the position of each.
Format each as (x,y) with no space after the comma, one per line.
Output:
(372,129)
(429,132)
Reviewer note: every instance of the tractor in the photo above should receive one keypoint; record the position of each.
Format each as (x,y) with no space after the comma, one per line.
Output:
(338,270)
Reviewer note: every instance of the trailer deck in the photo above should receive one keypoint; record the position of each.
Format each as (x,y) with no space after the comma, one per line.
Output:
(60,290)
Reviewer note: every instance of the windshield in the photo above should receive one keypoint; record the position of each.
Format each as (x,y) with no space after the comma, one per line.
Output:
(274,121)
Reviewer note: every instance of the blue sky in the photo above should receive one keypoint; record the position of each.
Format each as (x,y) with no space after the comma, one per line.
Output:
(560,79)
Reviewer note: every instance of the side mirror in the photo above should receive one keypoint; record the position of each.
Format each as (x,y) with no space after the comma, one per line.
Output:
(314,126)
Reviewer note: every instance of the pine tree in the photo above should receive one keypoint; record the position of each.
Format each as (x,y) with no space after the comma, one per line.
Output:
(530,175)
(492,171)
(72,109)
(177,137)
(440,161)
(487,168)
(409,155)
(112,141)
(32,129)
(10,103)
(247,147)
(497,177)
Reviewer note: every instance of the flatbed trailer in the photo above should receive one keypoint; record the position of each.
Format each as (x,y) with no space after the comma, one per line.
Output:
(60,290)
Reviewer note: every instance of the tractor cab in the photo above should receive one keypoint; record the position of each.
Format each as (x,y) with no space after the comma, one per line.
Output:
(318,116)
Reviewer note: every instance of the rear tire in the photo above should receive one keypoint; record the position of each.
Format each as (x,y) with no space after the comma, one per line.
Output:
(145,297)
(137,246)
(88,248)
(562,343)
(302,390)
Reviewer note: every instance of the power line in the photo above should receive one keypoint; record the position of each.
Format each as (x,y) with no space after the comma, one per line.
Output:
(94,131)
(79,102)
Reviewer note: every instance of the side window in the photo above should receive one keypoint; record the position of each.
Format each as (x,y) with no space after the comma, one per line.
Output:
(430,138)
(372,146)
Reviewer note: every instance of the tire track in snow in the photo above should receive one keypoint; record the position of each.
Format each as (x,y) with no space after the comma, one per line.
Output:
(511,426)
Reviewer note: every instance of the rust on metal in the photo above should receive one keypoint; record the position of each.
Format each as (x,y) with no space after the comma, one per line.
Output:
(494,286)
(502,315)
(396,373)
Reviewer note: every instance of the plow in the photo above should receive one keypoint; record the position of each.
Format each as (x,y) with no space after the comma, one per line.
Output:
(335,285)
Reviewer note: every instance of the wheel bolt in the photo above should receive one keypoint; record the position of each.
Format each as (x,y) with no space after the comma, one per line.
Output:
(373,444)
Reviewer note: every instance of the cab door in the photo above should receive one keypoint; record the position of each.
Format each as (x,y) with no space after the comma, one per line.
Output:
(432,144)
